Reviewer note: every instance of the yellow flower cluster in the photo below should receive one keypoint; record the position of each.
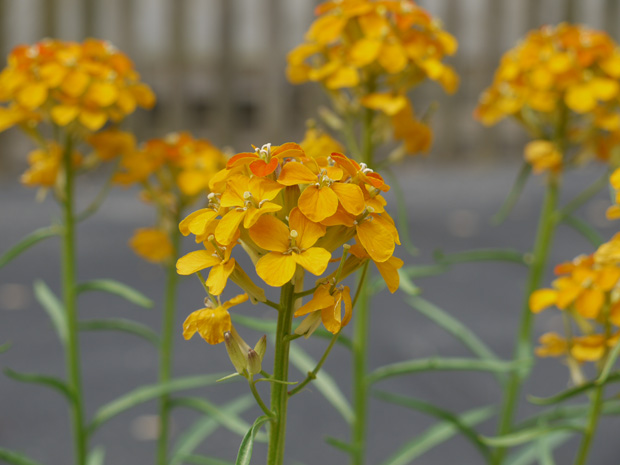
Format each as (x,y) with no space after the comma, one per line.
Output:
(589,291)
(45,164)
(559,79)
(174,172)
(290,212)
(75,85)
(377,50)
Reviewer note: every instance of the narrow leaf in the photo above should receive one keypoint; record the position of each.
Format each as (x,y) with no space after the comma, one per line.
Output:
(27,242)
(584,229)
(410,272)
(47,381)
(247,444)
(424,407)
(436,435)
(15,458)
(609,363)
(342,445)
(532,434)
(453,326)
(529,454)
(229,421)
(481,255)
(201,460)
(568,412)
(406,284)
(121,324)
(96,457)
(53,307)
(204,427)
(4,347)
(114,287)
(513,196)
(439,364)
(146,393)
(545,451)
(324,383)
(569,393)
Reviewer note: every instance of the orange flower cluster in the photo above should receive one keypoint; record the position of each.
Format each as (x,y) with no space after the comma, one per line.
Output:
(74,85)
(290,212)
(174,171)
(377,50)
(562,78)
(587,290)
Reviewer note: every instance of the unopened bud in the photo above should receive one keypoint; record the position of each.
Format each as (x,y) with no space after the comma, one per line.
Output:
(261,347)
(254,362)
(236,355)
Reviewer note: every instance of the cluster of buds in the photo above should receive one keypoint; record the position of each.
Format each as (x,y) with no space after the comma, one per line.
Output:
(561,83)
(290,212)
(174,173)
(370,53)
(76,85)
(588,291)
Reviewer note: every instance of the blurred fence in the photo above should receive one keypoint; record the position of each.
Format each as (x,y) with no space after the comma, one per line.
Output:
(217,66)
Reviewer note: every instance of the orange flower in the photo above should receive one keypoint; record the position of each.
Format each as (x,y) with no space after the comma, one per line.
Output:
(211,322)
(265,160)
(329,305)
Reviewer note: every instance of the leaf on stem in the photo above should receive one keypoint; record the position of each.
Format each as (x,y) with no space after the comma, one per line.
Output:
(422,406)
(54,308)
(342,445)
(96,456)
(481,255)
(27,242)
(202,460)
(570,393)
(584,229)
(146,393)
(204,427)
(609,363)
(513,196)
(123,325)
(530,454)
(247,444)
(324,383)
(15,458)
(48,381)
(528,435)
(114,287)
(436,435)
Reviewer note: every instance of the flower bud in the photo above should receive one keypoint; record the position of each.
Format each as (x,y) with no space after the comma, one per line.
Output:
(236,355)
(254,362)
(261,347)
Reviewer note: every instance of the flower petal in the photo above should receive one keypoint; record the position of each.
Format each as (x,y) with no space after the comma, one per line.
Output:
(350,196)
(542,298)
(296,173)
(308,232)
(196,261)
(315,260)
(270,233)
(276,269)
(228,226)
(210,323)
(216,282)
(318,203)
(377,240)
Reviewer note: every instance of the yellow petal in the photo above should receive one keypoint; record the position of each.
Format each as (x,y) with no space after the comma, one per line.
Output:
(393,57)
(252,214)
(93,120)
(270,233)
(197,222)
(580,98)
(152,244)
(75,83)
(276,269)
(387,103)
(344,76)
(228,226)
(296,173)
(377,241)
(350,196)
(318,203)
(32,96)
(541,299)
(589,303)
(102,93)
(320,299)
(196,261)
(210,323)
(308,232)
(364,52)
(613,212)
(216,282)
(314,259)
(64,114)
(389,272)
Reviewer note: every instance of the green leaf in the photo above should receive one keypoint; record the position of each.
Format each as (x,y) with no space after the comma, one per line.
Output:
(4,347)
(584,229)
(204,427)
(324,383)
(247,444)
(229,421)
(27,242)
(146,393)
(121,324)
(439,364)
(114,287)
(568,412)
(421,406)
(530,454)
(96,456)
(410,272)
(545,454)
(481,255)
(453,326)
(15,458)
(54,308)
(436,435)
(201,460)
(406,284)
(569,393)
(513,196)
(528,435)
(609,363)
(342,445)
(48,381)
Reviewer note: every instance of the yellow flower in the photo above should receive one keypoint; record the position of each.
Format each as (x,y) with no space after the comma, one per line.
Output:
(45,166)
(152,244)
(112,143)
(211,323)
(330,306)
(317,144)
(288,247)
(543,155)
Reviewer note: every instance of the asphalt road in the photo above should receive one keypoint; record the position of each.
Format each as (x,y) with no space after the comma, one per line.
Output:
(449,209)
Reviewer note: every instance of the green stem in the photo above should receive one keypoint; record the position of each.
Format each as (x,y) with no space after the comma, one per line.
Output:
(312,374)
(259,399)
(360,362)
(523,350)
(279,392)
(595,411)
(70,301)
(166,346)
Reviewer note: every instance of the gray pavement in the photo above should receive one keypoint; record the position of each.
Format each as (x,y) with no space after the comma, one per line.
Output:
(449,208)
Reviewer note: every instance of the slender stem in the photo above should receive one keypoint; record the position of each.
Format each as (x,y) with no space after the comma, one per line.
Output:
(595,411)
(523,349)
(259,399)
(360,362)
(279,392)
(312,374)
(70,300)
(584,196)
(165,349)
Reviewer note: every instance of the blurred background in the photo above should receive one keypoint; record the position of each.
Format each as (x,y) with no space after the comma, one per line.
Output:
(217,68)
